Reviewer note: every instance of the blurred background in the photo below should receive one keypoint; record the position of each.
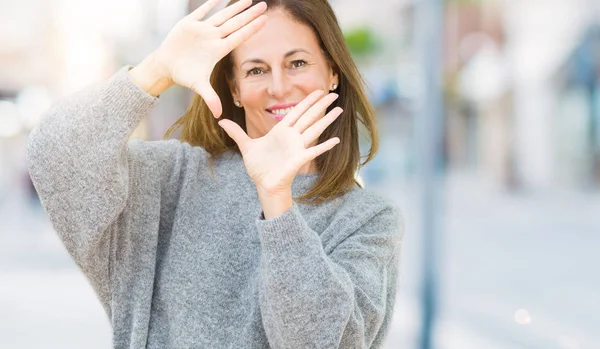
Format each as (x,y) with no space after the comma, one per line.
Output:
(517,193)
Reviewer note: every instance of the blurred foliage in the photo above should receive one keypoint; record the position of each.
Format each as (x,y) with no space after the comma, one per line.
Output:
(361,41)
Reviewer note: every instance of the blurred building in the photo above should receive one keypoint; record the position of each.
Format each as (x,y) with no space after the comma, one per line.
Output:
(504,96)
(578,112)
(478,91)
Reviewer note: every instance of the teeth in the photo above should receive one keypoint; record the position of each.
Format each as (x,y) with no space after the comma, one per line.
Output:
(282,111)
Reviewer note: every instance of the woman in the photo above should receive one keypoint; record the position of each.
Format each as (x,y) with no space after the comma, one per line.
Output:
(251,231)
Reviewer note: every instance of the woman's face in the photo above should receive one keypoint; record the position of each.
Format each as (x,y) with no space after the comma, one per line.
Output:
(276,69)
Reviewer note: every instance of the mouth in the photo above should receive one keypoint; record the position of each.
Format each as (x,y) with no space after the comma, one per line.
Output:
(278,112)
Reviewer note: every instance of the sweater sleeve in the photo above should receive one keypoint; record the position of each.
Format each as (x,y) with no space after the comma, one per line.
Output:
(342,300)
(79,162)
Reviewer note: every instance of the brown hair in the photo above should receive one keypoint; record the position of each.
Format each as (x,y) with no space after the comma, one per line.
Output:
(337,167)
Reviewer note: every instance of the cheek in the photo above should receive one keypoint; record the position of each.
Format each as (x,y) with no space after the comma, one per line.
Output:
(313,78)
(250,93)
(309,82)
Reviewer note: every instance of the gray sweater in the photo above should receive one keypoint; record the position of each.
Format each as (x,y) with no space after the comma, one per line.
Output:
(179,255)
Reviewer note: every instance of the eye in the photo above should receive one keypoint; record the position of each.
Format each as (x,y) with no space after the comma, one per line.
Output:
(255,72)
(298,63)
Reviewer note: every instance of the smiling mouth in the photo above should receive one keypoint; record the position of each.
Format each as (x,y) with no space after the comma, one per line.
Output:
(279,113)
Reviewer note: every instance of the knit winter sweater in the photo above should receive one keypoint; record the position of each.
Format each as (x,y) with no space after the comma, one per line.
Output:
(180,256)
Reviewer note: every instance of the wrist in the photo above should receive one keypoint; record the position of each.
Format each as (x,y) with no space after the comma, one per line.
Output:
(149,76)
(275,204)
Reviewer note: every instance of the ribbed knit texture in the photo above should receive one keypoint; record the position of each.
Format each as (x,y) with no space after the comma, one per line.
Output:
(180,257)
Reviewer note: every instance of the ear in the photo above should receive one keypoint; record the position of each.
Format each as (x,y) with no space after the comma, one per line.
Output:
(334,78)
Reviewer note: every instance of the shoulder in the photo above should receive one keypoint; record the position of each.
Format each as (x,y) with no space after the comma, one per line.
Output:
(368,202)
(365,221)
(364,207)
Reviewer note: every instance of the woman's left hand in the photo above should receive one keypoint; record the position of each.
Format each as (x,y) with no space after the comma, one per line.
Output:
(272,161)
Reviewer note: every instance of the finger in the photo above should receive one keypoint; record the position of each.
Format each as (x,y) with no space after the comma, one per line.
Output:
(314,113)
(203,9)
(241,35)
(313,152)
(300,108)
(242,19)
(235,132)
(210,97)
(313,132)
(222,16)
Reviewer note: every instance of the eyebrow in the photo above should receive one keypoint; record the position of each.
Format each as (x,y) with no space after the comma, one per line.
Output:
(289,53)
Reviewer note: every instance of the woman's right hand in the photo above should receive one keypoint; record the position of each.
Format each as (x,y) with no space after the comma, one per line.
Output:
(193,47)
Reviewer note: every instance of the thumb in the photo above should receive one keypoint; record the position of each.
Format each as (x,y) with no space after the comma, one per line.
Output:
(235,132)
(210,97)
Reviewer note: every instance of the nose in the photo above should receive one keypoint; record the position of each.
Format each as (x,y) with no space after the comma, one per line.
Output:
(279,85)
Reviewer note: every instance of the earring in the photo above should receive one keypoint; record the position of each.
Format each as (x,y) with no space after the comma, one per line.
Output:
(334,87)
(238,104)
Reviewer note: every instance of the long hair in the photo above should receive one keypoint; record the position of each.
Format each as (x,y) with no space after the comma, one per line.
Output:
(338,166)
